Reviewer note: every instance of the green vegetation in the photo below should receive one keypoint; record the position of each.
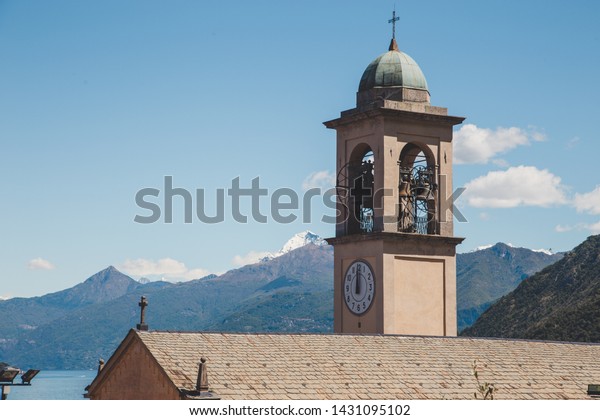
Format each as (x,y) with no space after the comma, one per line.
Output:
(561,302)
(485,276)
(485,390)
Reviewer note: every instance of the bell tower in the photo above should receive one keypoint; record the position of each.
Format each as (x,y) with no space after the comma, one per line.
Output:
(394,249)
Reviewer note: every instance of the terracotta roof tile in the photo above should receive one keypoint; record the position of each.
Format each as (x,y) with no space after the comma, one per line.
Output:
(305,366)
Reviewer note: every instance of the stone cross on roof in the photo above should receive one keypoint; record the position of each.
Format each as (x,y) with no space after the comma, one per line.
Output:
(142,326)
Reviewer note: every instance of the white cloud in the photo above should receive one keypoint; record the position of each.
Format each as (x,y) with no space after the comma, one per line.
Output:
(536,135)
(166,268)
(501,163)
(517,186)
(588,202)
(40,264)
(564,228)
(484,216)
(594,228)
(250,258)
(479,145)
(585,203)
(572,143)
(322,179)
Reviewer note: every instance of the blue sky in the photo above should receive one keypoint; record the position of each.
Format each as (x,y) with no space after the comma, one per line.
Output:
(101,99)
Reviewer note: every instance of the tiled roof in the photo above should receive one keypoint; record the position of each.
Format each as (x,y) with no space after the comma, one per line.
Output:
(306,366)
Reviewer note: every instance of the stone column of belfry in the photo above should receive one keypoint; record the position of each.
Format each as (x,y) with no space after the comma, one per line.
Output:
(399,277)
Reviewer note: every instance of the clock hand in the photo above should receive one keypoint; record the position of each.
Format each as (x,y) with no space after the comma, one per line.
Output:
(357,289)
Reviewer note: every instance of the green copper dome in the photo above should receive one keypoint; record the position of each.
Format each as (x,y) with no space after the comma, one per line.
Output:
(393,69)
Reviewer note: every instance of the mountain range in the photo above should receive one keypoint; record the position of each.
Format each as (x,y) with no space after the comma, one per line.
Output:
(72,329)
(561,302)
(488,273)
(289,291)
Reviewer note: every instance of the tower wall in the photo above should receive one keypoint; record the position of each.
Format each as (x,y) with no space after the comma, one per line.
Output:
(415,278)
(415,273)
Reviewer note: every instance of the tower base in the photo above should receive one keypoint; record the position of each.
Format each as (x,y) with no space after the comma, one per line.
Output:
(415,283)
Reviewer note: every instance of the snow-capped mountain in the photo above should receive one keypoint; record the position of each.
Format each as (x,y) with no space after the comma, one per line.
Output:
(297,241)
(542,250)
(545,251)
(301,239)
(481,248)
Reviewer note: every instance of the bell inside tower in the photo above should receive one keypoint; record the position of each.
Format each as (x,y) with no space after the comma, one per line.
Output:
(355,189)
(417,191)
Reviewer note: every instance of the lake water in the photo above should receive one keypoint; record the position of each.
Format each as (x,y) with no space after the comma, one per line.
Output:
(54,385)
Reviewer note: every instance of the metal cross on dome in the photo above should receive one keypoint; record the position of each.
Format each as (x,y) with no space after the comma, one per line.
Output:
(393,21)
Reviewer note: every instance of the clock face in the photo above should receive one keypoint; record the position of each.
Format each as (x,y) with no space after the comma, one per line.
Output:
(359,287)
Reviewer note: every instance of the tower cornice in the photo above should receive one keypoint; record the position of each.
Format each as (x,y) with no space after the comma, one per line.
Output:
(395,109)
(395,237)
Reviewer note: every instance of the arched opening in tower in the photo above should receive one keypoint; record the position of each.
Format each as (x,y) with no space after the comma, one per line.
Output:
(355,185)
(417,191)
